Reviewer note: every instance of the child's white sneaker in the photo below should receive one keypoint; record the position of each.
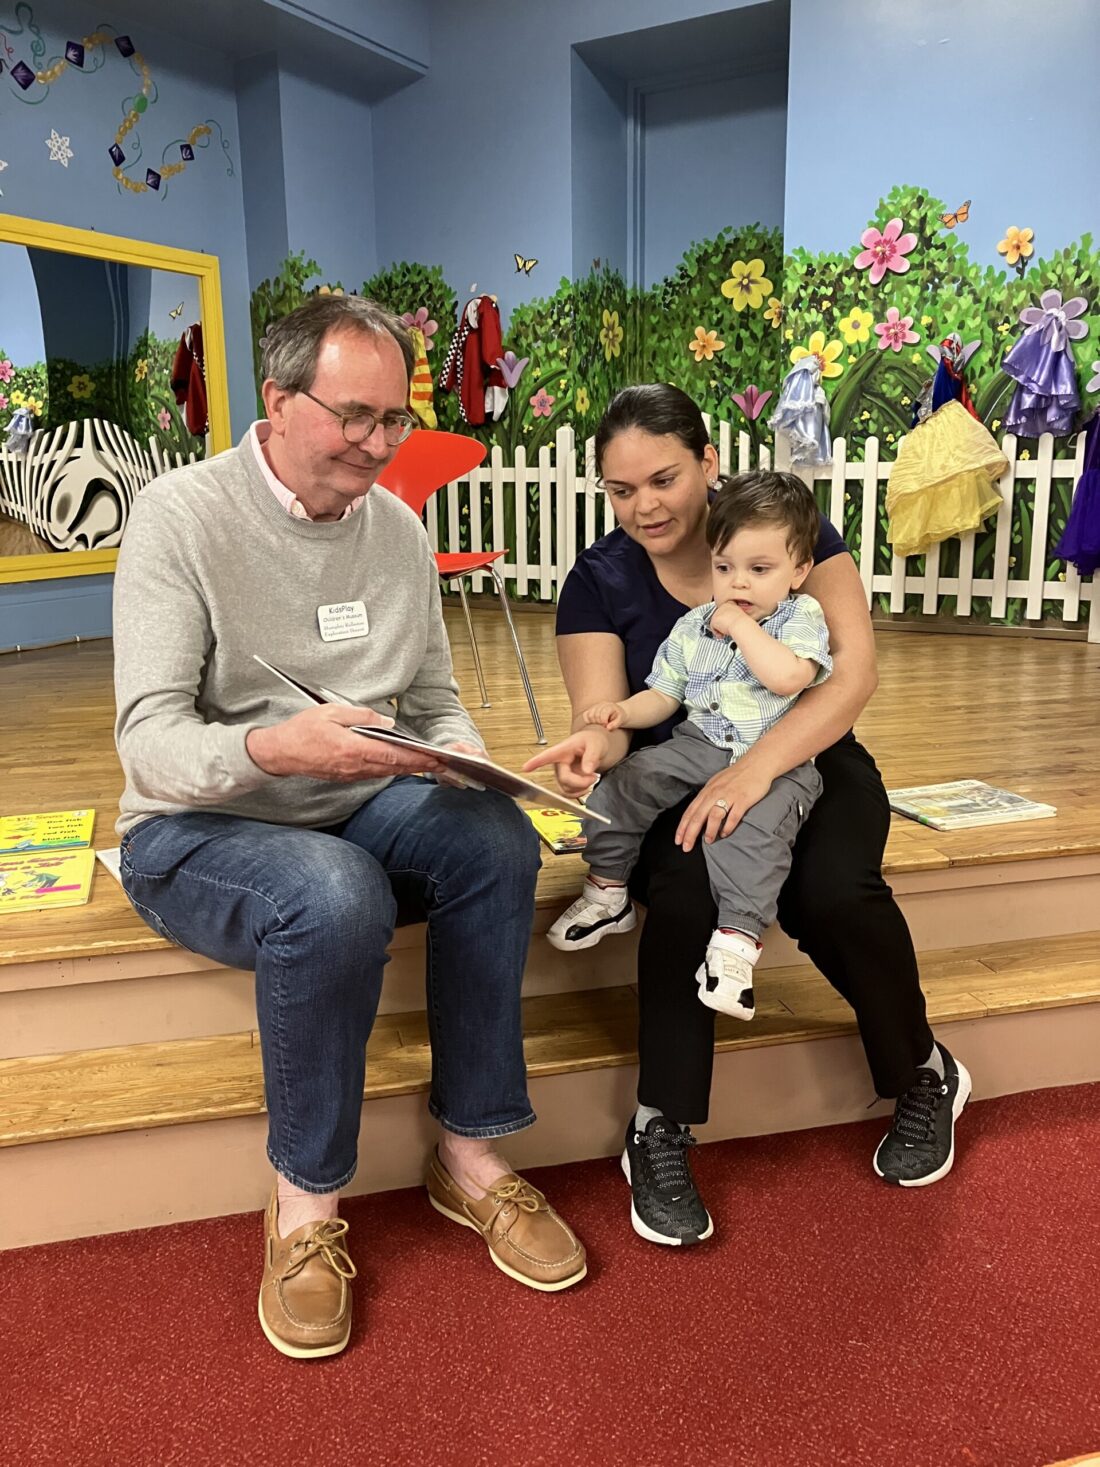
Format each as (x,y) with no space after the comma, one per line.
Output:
(725,978)
(596,912)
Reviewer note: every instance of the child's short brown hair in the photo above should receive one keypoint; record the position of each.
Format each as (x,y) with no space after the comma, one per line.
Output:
(764,497)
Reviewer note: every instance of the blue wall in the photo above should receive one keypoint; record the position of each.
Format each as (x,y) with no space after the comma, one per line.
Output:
(990,100)
(714,155)
(462,131)
(598,141)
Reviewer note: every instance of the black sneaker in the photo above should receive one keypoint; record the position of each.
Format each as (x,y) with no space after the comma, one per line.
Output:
(665,1207)
(920,1146)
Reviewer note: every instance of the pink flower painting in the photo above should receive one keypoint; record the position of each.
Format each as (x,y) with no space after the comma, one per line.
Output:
(420,320)
(885,250)
(896,331)
(541,403)
(751,402)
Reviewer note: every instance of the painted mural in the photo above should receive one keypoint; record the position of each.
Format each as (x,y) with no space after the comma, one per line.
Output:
(32,68)
(736,313)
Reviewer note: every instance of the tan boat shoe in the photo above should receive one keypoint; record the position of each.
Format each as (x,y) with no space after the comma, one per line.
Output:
(526,1238)
(305,1301)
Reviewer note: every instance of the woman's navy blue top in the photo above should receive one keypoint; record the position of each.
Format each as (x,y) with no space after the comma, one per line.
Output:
(613,587)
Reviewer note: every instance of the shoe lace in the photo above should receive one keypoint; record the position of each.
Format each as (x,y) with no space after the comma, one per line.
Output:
(517,1192)
(915,1113)
(323,1242)
(666,1159)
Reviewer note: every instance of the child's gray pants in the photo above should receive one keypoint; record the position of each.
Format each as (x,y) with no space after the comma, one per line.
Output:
(747,868)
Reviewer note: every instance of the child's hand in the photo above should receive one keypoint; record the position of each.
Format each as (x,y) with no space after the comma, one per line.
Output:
(728,619)
(605,715)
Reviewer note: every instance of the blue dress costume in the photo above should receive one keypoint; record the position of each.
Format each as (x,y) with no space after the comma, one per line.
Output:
(1080,542)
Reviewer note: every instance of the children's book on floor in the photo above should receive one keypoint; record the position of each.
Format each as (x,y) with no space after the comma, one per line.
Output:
(963,803)
(558,829)
(35,883)
(56,830)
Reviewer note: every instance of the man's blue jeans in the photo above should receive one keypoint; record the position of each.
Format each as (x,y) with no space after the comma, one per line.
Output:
(313,912)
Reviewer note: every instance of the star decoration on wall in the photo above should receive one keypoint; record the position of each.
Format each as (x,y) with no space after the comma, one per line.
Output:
(60,152)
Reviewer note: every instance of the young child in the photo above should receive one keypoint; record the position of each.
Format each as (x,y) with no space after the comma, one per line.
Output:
(736,665)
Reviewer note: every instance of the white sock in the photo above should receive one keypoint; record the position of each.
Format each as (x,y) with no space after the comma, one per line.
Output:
(935,1062)
(646,1113)
(298,1207)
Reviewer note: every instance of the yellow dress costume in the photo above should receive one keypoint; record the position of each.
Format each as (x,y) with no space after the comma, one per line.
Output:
(944,481)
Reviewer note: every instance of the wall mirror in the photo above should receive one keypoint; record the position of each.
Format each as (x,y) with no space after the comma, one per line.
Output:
(116,350)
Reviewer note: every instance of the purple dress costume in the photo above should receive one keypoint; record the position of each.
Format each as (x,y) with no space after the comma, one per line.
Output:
(1080,540)
(1047,397)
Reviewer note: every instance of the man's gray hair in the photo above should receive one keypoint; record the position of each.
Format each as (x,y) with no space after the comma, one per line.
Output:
(290,347)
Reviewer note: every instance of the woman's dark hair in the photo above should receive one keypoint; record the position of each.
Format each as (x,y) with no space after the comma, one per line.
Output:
(657,408)
(764,497)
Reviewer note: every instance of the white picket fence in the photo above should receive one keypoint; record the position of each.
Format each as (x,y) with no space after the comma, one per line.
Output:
(571,512)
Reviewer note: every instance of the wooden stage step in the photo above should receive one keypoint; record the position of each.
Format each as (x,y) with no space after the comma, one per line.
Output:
(92,1092)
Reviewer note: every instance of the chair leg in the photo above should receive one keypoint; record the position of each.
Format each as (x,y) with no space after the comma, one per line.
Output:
(539,735)
(473,643)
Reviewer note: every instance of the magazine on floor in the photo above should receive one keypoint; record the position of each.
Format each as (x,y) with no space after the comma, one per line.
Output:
(964,803)
(478,768)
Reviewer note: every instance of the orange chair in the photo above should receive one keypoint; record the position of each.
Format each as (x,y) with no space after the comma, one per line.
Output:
(424,464)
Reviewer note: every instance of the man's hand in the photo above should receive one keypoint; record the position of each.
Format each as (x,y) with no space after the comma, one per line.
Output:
(452,776)
(727,620)
(319,744)
(606,715)
(738,787)
(576,760)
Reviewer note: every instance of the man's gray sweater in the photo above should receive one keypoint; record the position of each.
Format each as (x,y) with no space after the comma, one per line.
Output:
(213,569)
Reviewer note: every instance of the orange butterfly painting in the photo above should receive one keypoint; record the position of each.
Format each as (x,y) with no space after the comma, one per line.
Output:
(960,216)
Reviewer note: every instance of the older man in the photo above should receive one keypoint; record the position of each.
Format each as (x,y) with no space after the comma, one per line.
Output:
(280,841)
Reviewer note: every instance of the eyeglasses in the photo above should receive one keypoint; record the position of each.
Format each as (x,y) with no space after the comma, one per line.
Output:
(358,427)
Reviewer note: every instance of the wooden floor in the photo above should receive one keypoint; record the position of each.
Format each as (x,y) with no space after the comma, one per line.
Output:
(1015,711)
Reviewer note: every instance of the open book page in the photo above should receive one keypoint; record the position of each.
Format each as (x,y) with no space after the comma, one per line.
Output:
(476,767)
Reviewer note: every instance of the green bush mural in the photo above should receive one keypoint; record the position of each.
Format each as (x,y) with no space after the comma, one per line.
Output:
(727,324)
(134,392)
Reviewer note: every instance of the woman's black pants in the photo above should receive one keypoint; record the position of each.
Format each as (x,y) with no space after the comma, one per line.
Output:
(836,906)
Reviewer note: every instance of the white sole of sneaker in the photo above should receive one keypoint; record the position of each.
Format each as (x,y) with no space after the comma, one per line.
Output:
(300,1352)
(520,1278)
(962,1095)
(626,923)
(734,1010)
(645,1231)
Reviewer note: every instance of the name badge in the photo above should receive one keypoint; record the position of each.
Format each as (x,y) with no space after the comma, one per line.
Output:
(342,620)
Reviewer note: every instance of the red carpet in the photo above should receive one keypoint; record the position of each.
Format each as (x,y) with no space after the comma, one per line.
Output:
(832,1320)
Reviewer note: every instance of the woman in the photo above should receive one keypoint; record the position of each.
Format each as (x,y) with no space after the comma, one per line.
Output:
(658,467)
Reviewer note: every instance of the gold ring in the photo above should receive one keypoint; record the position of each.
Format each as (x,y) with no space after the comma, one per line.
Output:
(721,804)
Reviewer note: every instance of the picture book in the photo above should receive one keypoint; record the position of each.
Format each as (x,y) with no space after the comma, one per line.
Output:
(559,830)
(57,830)
(479,769)
(963,803)
(34,883)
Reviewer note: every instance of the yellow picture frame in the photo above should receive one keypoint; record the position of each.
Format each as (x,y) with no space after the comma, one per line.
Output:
(94,245)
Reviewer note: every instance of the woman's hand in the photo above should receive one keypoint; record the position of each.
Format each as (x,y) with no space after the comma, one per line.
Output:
(719,806)
(607,715)
(576,760)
